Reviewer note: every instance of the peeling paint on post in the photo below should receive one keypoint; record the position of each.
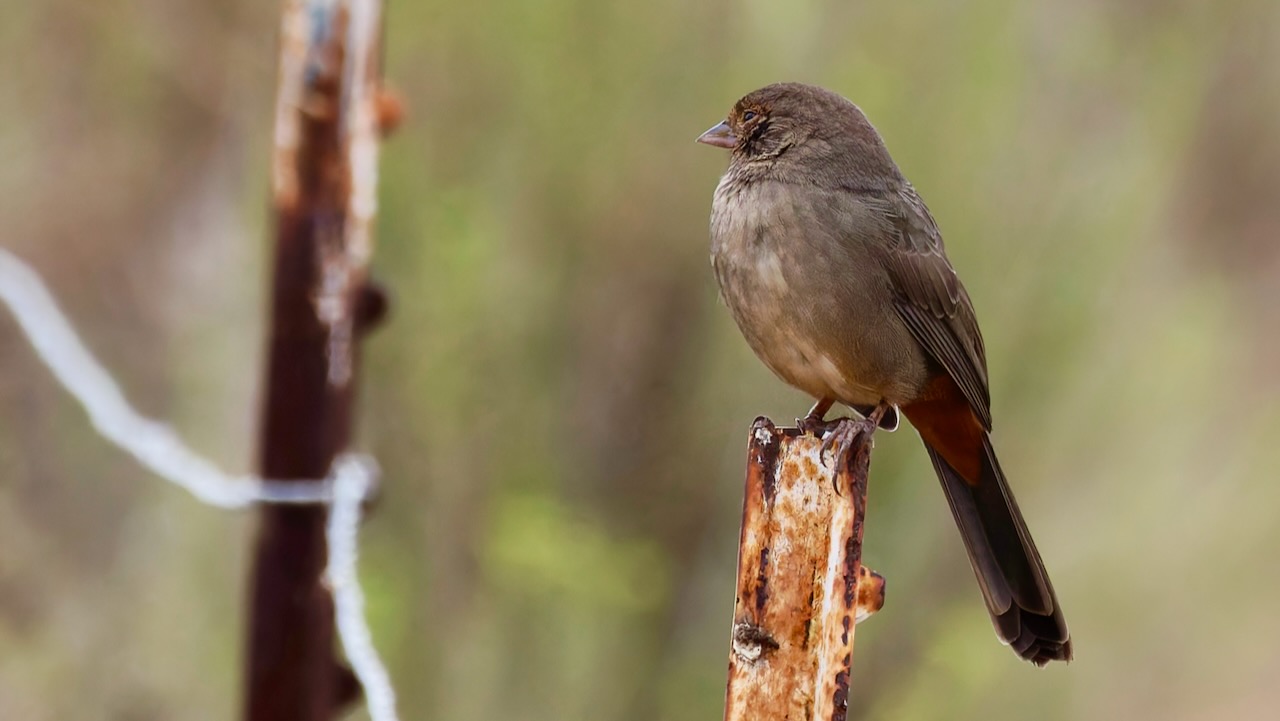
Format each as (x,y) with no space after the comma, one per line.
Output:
(801,585)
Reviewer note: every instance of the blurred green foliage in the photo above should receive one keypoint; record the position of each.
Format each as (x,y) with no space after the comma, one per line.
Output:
(560,404)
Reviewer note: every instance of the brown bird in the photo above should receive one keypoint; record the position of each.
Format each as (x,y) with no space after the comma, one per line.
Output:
(835,272)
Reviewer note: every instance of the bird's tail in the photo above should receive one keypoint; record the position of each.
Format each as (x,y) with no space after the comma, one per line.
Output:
(1019,596)
(1016,587)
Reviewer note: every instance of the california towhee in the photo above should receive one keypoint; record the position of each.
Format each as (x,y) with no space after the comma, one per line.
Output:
(835,273)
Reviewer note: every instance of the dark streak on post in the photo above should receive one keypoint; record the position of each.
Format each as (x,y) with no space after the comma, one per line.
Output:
(808,622)
(764,454)
(851,566)
(840,699)
(762,582)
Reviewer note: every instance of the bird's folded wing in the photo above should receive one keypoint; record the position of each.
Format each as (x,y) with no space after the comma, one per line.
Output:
(931,300)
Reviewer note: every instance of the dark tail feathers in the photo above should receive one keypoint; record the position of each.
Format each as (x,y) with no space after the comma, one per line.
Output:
(1016,587)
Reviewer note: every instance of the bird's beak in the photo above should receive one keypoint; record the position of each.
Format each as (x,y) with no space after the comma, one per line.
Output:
(720,136)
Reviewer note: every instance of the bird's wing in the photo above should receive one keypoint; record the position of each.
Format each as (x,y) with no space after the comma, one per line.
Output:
(931,300)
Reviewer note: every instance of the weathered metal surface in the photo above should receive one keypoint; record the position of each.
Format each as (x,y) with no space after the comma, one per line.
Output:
(324,174)
(801,587)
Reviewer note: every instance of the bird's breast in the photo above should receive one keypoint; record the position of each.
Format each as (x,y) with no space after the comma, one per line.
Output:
(802,295)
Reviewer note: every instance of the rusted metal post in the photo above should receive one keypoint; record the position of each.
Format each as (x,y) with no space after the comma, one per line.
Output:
(324,174)
(801,585)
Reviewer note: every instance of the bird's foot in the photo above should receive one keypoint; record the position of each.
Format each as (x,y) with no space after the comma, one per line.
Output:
(888,421)
(815,424)
(815,421)
(842,434)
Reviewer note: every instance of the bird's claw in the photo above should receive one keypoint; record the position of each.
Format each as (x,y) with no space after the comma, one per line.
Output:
(812,424)
(842,435)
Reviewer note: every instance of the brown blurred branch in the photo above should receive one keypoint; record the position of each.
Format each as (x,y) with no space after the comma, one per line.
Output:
(324,173)
(801,585)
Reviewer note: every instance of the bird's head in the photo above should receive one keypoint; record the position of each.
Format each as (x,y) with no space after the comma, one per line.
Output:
(810,129)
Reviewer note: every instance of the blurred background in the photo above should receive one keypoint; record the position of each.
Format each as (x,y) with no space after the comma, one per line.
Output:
(559,402)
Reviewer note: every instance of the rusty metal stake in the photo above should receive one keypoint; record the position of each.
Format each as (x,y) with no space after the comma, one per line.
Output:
(324,195)
(801,585)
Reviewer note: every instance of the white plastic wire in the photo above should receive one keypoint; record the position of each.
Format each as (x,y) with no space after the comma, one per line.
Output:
(352,483)
(160,449)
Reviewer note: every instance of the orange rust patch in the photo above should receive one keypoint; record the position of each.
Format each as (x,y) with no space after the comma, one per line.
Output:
(389,106)
(810,468)
(870,592)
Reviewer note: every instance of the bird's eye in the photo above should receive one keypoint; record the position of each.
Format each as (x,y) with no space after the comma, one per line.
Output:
(749,116)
